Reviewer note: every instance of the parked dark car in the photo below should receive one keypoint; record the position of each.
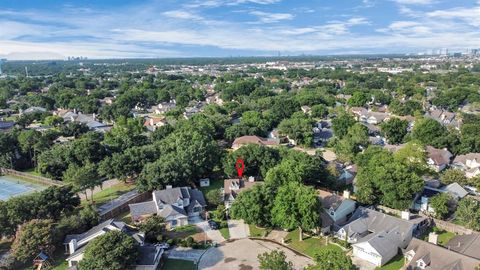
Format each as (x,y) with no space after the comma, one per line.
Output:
(213,225)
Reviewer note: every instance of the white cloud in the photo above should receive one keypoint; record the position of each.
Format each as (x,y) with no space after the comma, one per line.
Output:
(159,31)
(415,2)
(266,17)
(468,15)
(181,14)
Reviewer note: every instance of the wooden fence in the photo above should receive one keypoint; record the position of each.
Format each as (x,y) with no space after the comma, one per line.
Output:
(33,178)
(120,205)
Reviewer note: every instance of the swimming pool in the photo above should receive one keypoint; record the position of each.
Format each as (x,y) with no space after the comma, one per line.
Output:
(11,186)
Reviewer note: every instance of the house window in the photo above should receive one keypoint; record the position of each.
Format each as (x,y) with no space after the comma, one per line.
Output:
(197,209)
(173,222)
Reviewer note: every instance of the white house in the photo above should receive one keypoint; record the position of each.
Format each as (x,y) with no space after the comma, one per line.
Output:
(469,163)
(438,159)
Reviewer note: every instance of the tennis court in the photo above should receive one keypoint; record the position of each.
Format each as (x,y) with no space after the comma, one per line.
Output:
(11,186)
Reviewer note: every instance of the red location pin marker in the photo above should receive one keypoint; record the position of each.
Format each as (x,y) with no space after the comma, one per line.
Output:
(240,166)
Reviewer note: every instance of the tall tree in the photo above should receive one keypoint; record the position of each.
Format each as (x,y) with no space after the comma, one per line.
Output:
(395,130)
(296,206)
(32,238)
(83,177)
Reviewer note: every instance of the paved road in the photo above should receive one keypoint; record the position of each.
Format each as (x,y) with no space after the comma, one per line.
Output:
(214,235)
(238,229)
(242,255)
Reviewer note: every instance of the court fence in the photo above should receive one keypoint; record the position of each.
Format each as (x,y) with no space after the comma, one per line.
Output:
(33,178)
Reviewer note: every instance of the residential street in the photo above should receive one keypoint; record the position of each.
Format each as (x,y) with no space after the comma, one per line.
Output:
(242,254)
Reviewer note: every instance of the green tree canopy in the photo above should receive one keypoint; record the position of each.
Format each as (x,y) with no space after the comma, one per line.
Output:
(114,250)
(32,238)
(331,259)
(395,130)
(275,260)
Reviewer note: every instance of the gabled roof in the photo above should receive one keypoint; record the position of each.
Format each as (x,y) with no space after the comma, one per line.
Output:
(171,195)
(463,158)
(364,219)
(439,156)
(456,190)
(143,208)
(253,140)
(467,244)
(100,227)
(384,242)
(439,258)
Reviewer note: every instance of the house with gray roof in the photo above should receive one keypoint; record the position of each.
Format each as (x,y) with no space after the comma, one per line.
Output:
(421,255)
(176,205)
(336,208)
(377,237)
(467,244)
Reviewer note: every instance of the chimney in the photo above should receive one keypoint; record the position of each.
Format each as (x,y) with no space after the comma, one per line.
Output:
(346,194)
(433,238)
(406,215)
(251,179)
(94,116)
(72,246)
(168,187)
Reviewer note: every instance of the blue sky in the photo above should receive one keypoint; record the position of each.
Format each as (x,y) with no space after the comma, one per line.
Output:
(48,29)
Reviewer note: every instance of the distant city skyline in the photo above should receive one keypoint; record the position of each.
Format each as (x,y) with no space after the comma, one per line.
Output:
(54,29)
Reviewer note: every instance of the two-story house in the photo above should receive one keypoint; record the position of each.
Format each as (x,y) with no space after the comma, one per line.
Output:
(377,237)
(469,163)
(233,187)
(176,205)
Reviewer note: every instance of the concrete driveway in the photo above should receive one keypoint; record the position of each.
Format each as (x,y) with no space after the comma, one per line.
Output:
(242,255)
(214,235)
(188,254)
(238,229)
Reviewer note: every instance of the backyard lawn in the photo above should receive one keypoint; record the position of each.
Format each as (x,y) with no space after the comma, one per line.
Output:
(173,264)
(111,193)
(395,264)
(443,236)
(309,245)
(258,232)
(214,184)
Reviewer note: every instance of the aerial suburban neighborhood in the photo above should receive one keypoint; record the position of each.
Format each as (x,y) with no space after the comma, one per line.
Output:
(221,156)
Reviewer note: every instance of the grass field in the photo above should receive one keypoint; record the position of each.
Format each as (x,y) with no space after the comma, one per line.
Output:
(395,264)
(443,236)
(309,245)
(172,264)
(111,193)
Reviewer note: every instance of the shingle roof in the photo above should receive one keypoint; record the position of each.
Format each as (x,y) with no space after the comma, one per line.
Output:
(252,140)
(143,208)
(468,244)
(439,258)
(100,227)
